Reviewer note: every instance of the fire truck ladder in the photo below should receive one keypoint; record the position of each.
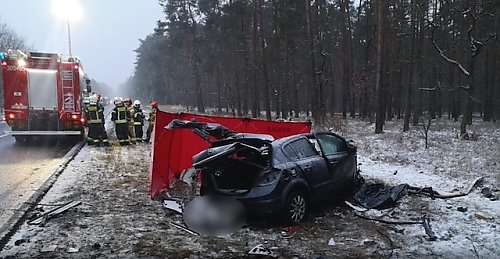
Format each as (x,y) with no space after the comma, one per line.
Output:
(68,88)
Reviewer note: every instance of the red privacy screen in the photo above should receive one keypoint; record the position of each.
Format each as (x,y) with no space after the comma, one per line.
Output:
(172,150)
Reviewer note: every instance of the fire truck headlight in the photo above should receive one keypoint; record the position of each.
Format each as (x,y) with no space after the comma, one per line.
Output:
(21,63)
(12,116)
(74,117)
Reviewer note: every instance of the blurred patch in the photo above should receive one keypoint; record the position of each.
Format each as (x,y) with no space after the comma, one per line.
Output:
(214,215)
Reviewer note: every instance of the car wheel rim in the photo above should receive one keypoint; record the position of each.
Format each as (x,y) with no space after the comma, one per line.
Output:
(297,208)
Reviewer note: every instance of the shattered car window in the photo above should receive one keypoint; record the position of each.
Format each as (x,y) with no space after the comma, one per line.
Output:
(331,144)
(303,148)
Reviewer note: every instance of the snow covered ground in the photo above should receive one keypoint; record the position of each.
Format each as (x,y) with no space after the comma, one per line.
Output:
(117,219)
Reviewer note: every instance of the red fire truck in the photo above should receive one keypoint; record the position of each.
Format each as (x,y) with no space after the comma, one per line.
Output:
(42,94)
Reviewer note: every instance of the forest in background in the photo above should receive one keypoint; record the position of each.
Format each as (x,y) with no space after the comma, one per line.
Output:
(379,60)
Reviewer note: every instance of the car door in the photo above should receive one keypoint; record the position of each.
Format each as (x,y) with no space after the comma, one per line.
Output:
(310,163)
(340,162)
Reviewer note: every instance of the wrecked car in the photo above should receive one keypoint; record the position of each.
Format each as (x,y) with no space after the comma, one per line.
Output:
(273,177)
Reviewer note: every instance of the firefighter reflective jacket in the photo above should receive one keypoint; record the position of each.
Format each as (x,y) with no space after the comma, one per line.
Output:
(152,115)
(120,115)
(94,113)
(138,116)
(131,112)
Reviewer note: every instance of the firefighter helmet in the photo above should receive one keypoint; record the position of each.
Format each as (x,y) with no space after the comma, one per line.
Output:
(128,101)
(93,99)
(154,104)
(137,103)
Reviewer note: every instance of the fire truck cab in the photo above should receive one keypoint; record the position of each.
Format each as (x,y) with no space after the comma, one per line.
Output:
(42,94)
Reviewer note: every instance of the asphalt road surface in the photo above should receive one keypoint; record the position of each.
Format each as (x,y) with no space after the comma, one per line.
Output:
(24,168)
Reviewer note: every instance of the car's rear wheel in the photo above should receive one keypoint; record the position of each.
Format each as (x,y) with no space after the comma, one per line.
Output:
(296,207)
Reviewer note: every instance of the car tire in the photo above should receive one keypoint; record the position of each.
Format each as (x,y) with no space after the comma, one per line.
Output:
(296,207)
(358,180)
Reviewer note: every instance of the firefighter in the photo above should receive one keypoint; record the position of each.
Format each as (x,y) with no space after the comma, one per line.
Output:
(130,111)
(94,114)
(138,120)
(151,119)
(119,116)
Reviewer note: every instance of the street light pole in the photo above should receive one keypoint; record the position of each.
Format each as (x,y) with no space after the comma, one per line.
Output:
(69,39)
(67,10)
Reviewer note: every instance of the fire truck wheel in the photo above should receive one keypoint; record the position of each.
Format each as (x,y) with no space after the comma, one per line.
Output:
(21,139)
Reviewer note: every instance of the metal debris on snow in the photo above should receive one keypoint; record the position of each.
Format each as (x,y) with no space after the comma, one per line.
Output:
(50,248)
(260,250)
(184,228)
(60,209)
(173,205)
(72,249)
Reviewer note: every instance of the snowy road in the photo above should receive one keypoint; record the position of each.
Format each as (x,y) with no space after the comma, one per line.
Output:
(23,169)
(3,127)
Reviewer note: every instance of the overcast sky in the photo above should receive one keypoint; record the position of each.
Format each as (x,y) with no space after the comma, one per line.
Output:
(104,38)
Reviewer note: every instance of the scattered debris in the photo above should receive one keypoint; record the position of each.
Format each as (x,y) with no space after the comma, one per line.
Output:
(96,246)
(40,220)
(368,242)
(184,228)
(173,205)
(428,191)
(462,209)
(427,227)
(484,216)
(21,241)
(487,193)
(378,196)
(47,249)
(410,222)
(72,250)
(331,242)
(292,229)
(284,235)
(260,250)
(356,208)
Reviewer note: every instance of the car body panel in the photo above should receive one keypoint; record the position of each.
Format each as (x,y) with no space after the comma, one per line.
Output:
(261,172)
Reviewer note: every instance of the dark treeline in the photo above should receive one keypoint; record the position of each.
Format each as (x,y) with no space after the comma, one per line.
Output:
(380,60)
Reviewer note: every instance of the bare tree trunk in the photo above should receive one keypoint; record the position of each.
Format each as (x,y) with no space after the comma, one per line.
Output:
(379,120)
(255,106)
(314,92)
(411,76)
(199,92)
(218,85)
(267,101)
(496,67)
(420,71)
(346,56)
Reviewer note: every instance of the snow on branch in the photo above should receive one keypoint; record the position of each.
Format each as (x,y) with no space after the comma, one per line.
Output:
(441,52)
(452,61)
